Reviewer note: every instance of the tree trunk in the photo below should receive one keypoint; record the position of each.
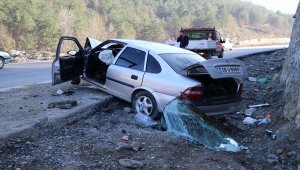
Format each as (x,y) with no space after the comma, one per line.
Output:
(291,74)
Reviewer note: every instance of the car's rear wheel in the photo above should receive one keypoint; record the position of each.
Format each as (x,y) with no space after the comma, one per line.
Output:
(1,63)
(144,103)
(76,81)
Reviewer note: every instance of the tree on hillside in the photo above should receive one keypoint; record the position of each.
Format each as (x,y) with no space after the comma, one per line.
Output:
(38,24)
(290,75)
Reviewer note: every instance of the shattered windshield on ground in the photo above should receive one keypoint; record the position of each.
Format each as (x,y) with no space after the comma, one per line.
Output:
(181,118)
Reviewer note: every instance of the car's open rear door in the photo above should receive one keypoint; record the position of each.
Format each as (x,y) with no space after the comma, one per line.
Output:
(69,60)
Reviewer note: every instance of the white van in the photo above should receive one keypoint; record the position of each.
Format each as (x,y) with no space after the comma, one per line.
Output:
(227,45)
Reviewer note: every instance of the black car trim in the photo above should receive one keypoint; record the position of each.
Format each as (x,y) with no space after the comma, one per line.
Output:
(126,84)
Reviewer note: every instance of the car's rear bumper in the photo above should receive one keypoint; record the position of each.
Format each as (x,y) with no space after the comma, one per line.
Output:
(220,109)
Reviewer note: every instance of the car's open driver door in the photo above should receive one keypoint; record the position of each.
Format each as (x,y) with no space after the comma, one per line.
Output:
(69,60)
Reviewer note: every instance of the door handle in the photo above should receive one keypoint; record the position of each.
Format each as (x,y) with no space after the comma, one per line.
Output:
(134,77)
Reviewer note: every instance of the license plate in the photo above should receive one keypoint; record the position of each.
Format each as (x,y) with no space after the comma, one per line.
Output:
(229,69)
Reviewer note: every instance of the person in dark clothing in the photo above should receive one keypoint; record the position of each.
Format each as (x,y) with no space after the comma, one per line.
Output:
(183,39)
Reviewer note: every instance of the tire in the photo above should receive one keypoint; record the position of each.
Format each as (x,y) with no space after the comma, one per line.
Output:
(76,81)
(143,102)
(1,63)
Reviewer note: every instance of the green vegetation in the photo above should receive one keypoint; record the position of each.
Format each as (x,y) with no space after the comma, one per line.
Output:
(37,24)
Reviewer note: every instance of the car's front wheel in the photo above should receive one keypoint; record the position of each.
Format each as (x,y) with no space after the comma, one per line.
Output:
(1,63)
(144,103)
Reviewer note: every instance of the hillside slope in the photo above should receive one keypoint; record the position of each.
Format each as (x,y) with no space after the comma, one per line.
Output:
(37,25)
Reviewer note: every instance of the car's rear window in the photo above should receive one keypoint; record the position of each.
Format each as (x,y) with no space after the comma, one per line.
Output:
(200,34)
(179,62)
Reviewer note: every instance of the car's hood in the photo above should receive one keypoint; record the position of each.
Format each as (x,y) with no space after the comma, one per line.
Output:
(220,68)
(4,54)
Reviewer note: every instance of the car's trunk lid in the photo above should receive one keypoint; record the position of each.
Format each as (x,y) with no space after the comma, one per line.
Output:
(219,68)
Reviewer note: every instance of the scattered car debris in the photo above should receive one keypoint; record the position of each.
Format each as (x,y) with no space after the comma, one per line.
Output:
(67,104)
(266,120)
(129,163)
(259,105)
(145,120)
(59,92)
(263,80)
(249,121)
(249,111)
(244,147)
(125,137)
(270,134)
(253,79)
(181,118)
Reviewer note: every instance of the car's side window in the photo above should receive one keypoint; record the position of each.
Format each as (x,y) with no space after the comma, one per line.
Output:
(152,65)
(132,58)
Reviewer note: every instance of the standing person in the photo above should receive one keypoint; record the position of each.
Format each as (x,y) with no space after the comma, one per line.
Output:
(209,37)
(183,39)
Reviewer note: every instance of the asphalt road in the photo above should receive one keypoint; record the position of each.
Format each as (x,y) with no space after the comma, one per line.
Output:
(22,74)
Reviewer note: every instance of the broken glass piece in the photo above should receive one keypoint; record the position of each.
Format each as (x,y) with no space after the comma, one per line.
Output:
(145,120)
(183,119)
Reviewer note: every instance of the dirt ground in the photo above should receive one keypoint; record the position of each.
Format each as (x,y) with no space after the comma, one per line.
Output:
(96,142)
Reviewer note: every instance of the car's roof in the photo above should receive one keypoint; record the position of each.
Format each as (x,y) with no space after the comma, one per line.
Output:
(158,48)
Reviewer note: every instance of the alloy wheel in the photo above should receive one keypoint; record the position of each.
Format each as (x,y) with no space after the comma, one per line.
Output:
(144,105)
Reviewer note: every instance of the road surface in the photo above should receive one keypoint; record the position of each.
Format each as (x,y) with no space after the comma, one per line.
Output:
(22,74)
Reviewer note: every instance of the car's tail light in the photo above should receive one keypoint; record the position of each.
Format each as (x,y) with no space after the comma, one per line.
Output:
(240,88)
(192,93)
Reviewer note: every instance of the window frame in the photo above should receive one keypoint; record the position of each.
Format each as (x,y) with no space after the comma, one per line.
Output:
(156,61)
(123,50)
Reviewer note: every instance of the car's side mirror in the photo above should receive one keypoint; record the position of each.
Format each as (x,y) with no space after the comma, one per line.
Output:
(72,52)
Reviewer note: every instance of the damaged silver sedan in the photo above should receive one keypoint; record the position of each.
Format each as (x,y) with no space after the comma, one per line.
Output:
(150,75)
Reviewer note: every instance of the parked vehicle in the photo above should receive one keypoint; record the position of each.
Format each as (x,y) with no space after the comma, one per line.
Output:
(227,44)
(205,41)
(150,75)
(4,58)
